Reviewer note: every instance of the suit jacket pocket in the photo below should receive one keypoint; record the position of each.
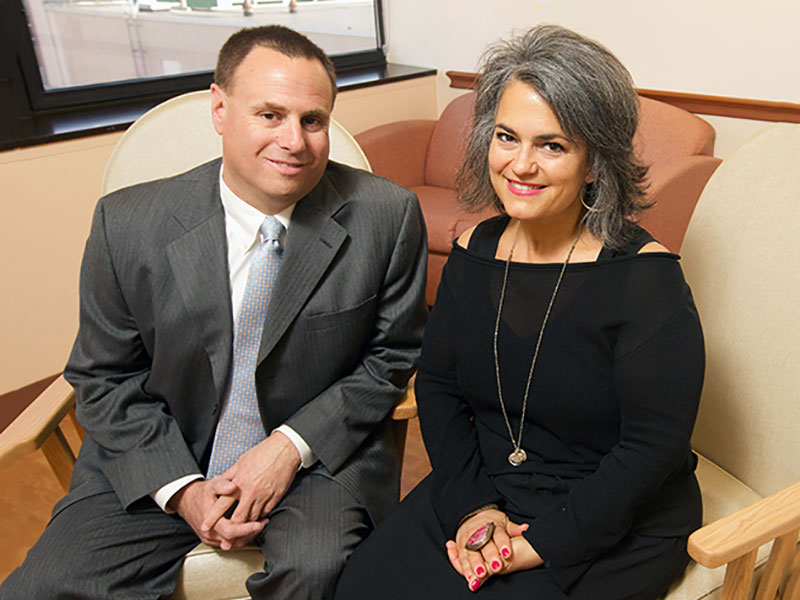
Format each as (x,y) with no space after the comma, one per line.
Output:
(341,318)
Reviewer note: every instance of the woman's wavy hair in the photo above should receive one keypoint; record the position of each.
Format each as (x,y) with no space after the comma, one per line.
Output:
(592,95)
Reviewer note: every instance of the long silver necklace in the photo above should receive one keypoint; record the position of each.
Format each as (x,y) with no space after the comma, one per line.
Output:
(518,455)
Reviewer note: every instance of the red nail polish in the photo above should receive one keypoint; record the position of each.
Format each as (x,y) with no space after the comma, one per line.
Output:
(480,571)
(496,565)
(506,552)
(476,583)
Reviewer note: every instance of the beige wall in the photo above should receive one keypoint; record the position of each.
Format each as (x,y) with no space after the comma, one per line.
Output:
(49,195)
(716,47)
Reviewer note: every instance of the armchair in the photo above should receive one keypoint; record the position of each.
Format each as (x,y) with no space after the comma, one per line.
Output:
(425,155)
(740,258)
(172,137)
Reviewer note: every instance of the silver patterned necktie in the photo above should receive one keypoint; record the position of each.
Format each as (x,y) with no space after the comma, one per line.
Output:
(240,427)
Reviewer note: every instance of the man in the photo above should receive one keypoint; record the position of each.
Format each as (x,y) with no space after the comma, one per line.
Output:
(172,347)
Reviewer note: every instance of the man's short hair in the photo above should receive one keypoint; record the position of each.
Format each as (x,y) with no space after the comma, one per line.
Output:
(276,37)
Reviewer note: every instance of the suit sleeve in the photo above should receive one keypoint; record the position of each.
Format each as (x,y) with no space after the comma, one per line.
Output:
(363,398)
(139,444)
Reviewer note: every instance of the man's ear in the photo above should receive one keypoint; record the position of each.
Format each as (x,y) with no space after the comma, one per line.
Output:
(218,102)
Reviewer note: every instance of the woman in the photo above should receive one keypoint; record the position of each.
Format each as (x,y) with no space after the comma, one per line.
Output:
(562,364)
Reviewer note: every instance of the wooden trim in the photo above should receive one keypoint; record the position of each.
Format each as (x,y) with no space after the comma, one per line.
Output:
(738,108)
(462,80)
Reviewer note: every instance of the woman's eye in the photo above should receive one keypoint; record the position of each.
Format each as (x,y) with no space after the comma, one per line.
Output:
(504,137)
(554,147)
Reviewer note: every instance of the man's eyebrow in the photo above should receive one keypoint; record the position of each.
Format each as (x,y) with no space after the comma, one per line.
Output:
(270,106)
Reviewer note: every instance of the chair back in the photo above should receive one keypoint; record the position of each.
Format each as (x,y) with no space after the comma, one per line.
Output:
(178,135)
(742,260)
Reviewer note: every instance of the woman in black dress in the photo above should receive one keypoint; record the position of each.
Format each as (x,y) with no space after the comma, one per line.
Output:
(562,363)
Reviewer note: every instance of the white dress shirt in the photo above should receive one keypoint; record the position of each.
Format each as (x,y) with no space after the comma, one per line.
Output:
(243,233)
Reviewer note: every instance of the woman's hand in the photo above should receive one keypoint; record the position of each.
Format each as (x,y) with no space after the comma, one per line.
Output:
(507,551)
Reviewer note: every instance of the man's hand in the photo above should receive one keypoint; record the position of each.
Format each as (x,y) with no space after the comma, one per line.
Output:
(506,552)
(194,501)
(261,477)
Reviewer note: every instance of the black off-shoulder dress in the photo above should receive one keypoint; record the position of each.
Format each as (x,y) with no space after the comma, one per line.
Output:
(608,488)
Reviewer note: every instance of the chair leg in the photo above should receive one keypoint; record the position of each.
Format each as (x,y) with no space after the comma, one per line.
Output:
(792,591)
(738,577)
(779,558)
(74,418)
(59,455)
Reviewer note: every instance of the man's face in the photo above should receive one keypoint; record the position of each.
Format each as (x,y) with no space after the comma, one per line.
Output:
(273,120)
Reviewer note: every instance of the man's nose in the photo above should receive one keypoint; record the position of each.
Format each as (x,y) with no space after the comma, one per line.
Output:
(292,137)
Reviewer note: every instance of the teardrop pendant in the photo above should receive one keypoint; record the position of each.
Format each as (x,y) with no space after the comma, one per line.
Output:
(517,457)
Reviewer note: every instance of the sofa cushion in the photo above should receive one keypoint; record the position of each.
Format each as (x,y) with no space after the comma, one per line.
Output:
(444,217)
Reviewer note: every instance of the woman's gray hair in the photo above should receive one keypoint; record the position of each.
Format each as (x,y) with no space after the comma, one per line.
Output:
(592,95)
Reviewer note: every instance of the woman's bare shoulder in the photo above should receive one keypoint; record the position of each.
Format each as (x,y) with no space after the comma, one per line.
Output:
(463,239)
(652,247)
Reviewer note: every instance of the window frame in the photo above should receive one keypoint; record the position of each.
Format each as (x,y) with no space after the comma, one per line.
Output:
(15,29)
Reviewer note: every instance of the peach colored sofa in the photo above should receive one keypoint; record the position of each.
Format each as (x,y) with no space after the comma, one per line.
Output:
(424,155)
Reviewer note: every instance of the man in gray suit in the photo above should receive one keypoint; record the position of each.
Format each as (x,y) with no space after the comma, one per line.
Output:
(164,275)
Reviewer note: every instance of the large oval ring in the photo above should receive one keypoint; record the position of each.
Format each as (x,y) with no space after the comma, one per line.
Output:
(480,537)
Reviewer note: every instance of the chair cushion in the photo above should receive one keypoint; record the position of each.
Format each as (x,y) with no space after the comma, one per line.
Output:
(723,494)
(211,574)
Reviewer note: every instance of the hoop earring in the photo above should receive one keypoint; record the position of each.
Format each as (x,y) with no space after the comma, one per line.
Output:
(585,191)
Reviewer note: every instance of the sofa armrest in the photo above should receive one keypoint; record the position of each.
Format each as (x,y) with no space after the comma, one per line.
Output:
(398,150)
(735,539)
(674,189)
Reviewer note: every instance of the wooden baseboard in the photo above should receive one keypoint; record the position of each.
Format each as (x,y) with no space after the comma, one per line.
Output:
(722,106)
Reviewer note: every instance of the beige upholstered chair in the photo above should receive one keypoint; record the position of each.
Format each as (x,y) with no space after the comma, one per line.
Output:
(741,258)
(172,137)
(178,134)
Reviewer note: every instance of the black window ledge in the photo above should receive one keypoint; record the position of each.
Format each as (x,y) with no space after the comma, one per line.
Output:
(85,122)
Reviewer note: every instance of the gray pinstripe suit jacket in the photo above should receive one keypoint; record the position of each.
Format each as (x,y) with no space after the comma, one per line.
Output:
(153,352)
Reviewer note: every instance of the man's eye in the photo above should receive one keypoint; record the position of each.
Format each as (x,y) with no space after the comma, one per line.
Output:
(312,122)
(269,116)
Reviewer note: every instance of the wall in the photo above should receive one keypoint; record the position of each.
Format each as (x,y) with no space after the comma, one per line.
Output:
(716,47)
(49,195)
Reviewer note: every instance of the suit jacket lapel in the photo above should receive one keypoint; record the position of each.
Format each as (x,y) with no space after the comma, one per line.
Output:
(199,260)
(312,242)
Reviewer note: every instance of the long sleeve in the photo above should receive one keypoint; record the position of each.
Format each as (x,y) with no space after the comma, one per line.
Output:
(461,483)
(658,386)
(140,442)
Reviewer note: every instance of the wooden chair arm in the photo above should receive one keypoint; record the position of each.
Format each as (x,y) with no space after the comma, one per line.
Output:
(730,537)
(734,540)
(34,425)
(407,408)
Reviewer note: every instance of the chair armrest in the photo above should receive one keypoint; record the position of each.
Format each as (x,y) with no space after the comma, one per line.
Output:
(674,189)
(407,408)
(746,530)
(398,150)
(29,431)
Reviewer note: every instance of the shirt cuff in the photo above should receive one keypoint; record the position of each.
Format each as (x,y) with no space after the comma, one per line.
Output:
(307,457)
(164,494)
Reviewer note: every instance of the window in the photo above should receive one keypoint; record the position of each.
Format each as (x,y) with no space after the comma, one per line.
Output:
(79,52)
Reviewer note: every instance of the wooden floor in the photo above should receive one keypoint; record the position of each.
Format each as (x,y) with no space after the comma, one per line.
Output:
(28,491)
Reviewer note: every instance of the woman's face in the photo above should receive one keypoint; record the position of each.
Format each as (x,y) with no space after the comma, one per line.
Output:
(536,170)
